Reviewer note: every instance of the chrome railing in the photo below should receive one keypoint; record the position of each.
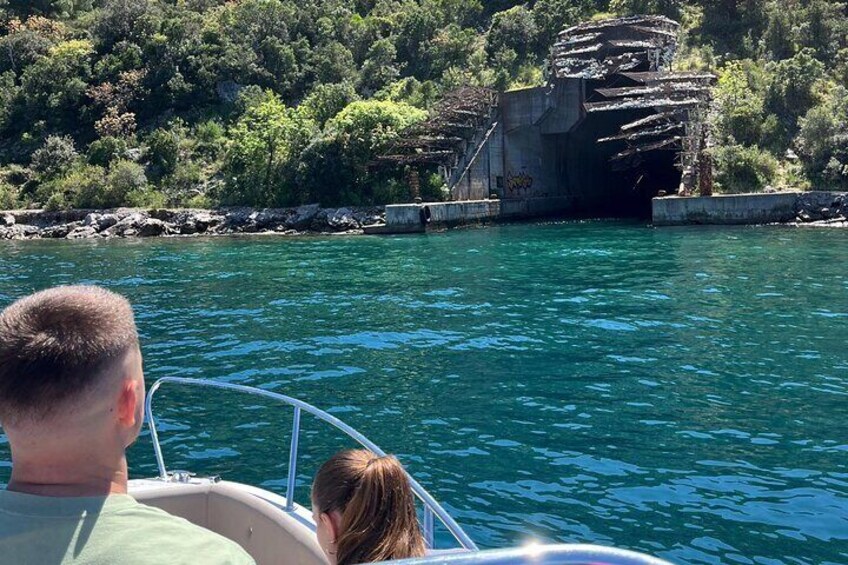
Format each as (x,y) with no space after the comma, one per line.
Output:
(560,554)
(431,507)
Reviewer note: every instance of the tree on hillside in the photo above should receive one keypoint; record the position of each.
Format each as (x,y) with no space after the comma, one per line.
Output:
(335,168)
(265,145)
(791,93)
(823,140)
(54,87)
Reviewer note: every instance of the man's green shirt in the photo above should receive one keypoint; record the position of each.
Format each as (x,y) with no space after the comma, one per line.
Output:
(115,529)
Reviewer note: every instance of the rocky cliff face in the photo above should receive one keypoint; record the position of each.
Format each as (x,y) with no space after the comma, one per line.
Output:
(82,224)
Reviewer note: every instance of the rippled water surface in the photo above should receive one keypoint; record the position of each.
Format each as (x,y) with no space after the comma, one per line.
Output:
(682,392)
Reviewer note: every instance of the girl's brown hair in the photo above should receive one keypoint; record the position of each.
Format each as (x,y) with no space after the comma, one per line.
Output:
(376,503)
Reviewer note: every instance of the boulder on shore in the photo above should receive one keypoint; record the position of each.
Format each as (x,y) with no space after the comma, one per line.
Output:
(82,232)
(821,207)
(18,231)
(303,216)
(152,227)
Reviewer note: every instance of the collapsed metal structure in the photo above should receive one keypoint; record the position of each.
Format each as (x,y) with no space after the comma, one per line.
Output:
(597,50)
(459,125)
(628,62)
(611,97)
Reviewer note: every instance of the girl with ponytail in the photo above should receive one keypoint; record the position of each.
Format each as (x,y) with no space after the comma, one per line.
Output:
(364,509)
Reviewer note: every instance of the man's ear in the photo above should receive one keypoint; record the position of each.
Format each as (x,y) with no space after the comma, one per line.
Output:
(127,403)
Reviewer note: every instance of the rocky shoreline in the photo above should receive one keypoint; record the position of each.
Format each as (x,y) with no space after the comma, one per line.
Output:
(811,209)
(822,209)
(129,222)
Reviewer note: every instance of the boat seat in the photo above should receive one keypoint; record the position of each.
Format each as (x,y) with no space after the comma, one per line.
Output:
(268,533)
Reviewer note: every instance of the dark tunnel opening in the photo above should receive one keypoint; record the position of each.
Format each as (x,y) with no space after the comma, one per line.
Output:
(604,187)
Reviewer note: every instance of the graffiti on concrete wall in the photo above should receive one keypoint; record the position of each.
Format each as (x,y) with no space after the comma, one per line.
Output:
(518,185)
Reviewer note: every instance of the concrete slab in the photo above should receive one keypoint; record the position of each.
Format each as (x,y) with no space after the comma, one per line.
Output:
(724,209)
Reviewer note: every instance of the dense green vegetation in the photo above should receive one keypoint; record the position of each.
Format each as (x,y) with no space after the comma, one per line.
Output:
(277,102)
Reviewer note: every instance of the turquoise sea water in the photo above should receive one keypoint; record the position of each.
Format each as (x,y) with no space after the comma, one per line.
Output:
(682,392)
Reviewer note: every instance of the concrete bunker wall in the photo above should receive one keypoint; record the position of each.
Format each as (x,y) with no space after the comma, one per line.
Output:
(531,120)
(546,146)
(551,149)
(485,174)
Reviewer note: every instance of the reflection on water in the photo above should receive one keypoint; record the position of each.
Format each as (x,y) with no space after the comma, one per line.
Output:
(680,392)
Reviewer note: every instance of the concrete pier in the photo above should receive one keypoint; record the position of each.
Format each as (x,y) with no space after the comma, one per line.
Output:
(729,209)
(418,218)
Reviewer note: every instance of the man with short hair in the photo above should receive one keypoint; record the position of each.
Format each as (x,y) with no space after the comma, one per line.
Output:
(71,402)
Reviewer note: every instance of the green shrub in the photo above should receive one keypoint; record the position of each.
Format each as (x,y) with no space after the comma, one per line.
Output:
(793,90)
(209,138)
(104,150)
(124,178)
(183,182)
(334,169)
(262,156)
(53,88)
(823,142)
(163,150)
(391,191)
(741,169)
(199,201)
(433,187)
(251,96)
(327,100)
(92,186)
(84,186)
(54,157)
(8,196)
(145,198)
(513,29)
(739,103)
(670,8)
(16,174)
(56,202)
(411,91)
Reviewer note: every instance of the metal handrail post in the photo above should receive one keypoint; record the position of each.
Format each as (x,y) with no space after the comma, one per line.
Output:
(154,435)
(293,460)
(429,528)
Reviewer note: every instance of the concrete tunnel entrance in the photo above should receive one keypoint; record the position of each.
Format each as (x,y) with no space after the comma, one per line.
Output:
(604,186)
(612,127)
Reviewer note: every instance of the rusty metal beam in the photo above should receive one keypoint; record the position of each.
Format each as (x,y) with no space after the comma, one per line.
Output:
(424,142)
(428,157)
(641,134)
(650,119)
(666,144)
(647,77)
(615,105)
(666,89)
(635,44)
